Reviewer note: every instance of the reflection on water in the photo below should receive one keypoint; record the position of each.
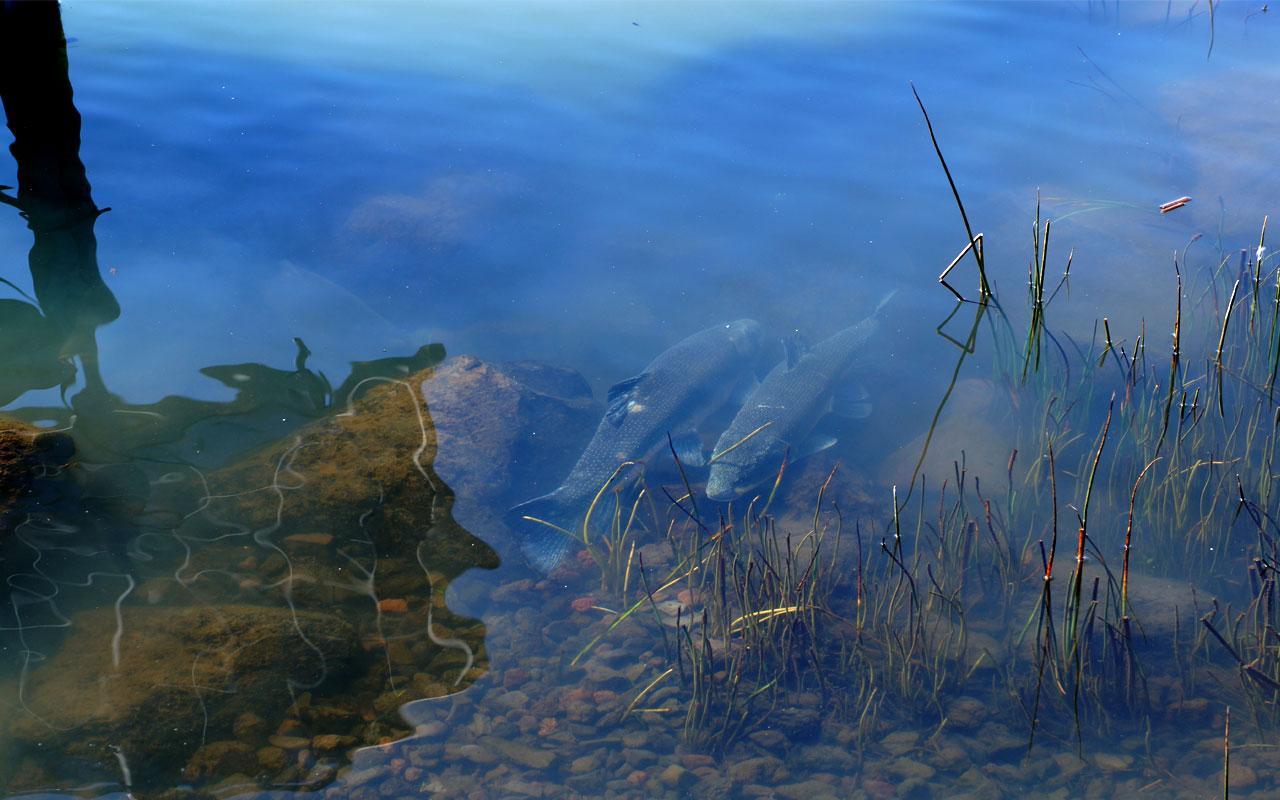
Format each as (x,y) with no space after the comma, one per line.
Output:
(987,549)
(191,597)
(54,197)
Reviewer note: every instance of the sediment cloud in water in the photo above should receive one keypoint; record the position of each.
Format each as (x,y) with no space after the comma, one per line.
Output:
(438,219)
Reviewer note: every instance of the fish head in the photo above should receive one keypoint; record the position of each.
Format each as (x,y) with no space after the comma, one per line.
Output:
(721,486)
(746,336)
(739,472)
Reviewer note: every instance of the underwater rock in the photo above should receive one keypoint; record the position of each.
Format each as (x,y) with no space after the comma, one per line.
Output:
(975,424)
(910,769)
(753,770)
(249,727)
(331,741)
(368,469)
(900,742)
(272,759)
(714,788)
(585,764)
(768,739)
(1242,777)
(850,490)
(506,427)
(677,776)
(807,790)
(438,219)
(797,724)
(1113,762)
(828,758)
(519,752)
(966,712)
(218,759)
(151,685)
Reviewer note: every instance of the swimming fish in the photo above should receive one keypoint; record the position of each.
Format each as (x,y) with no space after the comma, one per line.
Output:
(781,414)
(675,393)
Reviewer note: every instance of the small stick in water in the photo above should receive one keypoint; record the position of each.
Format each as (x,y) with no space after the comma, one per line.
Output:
(1174,205)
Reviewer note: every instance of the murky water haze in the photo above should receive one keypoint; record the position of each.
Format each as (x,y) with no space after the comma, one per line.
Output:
(557,193)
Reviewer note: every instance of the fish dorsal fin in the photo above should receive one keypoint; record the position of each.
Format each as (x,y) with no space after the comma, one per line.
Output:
(851,401)
(794,347)
(623,387)
(619,398)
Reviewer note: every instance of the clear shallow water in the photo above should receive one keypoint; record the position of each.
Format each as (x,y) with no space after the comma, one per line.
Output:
(582,186)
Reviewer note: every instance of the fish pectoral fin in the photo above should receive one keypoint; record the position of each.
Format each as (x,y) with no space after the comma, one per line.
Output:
(616,412)
(624,388)
(619,399)
(852,402)
(689,449)
(794,347)
(816,443)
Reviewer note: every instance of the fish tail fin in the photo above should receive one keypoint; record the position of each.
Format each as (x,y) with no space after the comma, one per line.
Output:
(884,301)
(544,539)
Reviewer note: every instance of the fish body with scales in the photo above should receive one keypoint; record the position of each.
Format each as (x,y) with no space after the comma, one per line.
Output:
(779,417)
(674,394)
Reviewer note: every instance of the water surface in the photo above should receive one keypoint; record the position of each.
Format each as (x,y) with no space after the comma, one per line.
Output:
(550,195)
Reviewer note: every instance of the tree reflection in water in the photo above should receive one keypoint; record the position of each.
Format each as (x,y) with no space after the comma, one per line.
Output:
(195,595)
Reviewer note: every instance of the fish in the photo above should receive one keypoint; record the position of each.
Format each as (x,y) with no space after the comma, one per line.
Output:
(671,397)
(780,417)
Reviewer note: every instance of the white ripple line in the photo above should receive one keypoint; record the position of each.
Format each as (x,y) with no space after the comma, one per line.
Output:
(119,634)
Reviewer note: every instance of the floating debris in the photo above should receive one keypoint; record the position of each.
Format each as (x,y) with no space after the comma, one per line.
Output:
(1174,205)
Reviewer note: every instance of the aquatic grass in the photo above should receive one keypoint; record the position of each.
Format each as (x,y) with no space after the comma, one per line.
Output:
(764,600)
(1198,466)
(717,456)
(1166,465)
(1064,402)
(1164,436)
(975,242)
(1226,743)
(614,550)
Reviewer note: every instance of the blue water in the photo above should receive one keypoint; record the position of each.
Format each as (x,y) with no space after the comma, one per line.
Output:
(585,184)
(513,182)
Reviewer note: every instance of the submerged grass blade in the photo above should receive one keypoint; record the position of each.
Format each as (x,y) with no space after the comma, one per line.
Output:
(645,691)
(974,241)
(717,456)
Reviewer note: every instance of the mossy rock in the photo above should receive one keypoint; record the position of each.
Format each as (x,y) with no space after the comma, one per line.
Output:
(368,469)
(158,686)
(32,470)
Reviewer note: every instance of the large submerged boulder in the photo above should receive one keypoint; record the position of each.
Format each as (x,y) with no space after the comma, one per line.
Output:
(973,426)
(507,432)
(292,602)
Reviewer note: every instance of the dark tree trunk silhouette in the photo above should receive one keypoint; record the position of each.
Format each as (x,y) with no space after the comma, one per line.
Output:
(53,195)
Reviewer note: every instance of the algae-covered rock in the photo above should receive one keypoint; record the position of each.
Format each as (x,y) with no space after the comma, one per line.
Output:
(366,473)
(219,759)
(298,593)
(156,683)
(32,467)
